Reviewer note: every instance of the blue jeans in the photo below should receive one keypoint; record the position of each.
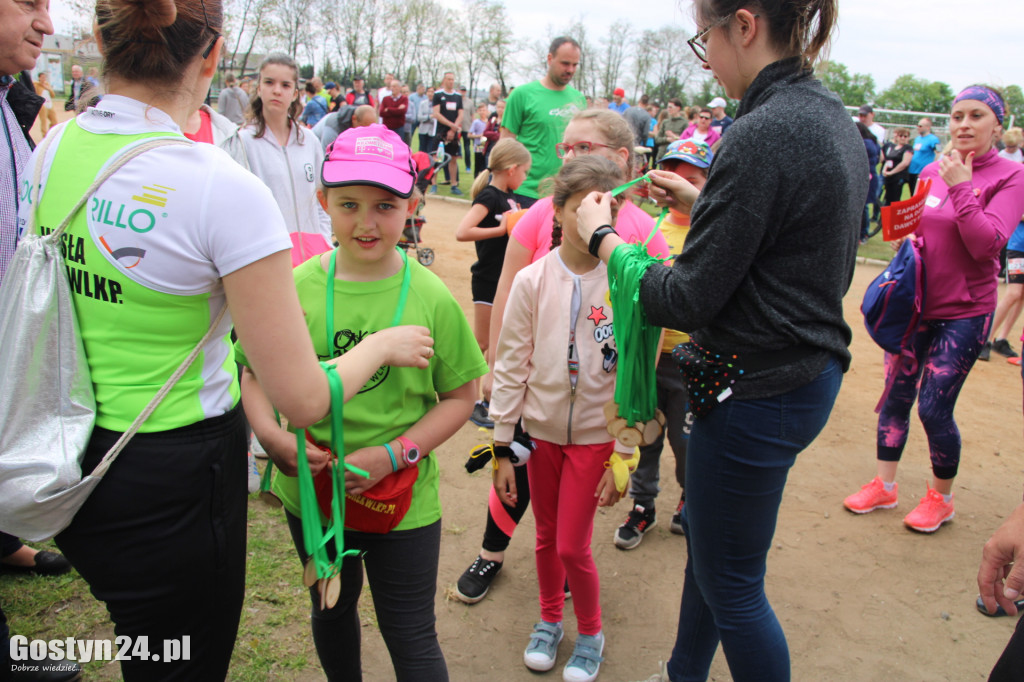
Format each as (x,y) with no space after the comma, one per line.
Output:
(737,462)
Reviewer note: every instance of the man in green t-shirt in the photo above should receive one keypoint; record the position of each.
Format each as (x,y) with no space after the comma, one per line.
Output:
(537,113)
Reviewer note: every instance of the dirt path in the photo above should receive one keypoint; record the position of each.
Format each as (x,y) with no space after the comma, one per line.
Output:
(860,598)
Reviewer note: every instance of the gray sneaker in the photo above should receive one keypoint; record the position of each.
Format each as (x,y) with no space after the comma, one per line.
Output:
(586,659)
(540,654)
(631,533)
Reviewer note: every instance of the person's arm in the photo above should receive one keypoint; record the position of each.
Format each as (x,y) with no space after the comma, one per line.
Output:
(469,229)
(506,133)
(517,257)
(983,230)
(729,230)
(278,442)
(908,156)
(270,325)
(1003,555)
(435,427)
(513,350)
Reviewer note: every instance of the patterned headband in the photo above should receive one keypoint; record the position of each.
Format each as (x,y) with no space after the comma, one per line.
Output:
(987,96)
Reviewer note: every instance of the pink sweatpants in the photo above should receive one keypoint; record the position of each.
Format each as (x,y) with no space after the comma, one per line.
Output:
(563,479)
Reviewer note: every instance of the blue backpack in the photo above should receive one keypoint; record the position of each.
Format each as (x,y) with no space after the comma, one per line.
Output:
(894,301)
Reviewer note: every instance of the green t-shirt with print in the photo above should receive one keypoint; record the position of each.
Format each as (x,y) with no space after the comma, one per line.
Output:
(538,117)
(395,398)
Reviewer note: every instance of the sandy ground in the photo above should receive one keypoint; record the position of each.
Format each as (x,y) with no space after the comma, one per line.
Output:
(860,597)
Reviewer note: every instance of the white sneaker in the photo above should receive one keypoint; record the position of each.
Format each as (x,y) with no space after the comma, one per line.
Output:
(585,662)
(540,654)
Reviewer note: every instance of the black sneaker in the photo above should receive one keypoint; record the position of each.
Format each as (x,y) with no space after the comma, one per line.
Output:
(632,531)
(986,351)
(476,580)
(676,526)
(1003,347)
(480,416)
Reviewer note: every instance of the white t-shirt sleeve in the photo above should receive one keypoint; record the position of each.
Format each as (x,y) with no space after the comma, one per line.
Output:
(245,224)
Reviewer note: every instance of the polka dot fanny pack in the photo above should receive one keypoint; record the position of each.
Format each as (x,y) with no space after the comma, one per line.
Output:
(709,376)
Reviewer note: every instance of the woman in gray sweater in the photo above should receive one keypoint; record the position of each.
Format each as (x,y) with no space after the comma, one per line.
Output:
(759,285)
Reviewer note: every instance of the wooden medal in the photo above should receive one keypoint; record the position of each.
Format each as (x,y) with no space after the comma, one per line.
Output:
(333,590)
(270,499)
(309,573)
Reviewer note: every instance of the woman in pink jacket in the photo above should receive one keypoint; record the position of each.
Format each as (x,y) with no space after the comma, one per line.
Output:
(701,130)
(975,202)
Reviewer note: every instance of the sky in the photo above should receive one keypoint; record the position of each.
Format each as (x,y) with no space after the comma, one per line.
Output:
(944,40)
(941,40)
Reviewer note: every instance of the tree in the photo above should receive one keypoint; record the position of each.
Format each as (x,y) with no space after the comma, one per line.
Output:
(248,29)
(289,24)
(908,93)
(1014,99)
(854,89)
(472,38)
(669,70)
(613,55)
(499,43)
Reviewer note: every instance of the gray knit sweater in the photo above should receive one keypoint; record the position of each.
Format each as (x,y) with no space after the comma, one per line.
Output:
(773,236)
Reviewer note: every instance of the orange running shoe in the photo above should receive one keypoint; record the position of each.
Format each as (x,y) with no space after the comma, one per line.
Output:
(932,512)
(871,497)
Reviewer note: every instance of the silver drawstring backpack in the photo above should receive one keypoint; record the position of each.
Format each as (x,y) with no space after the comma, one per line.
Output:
(47,404)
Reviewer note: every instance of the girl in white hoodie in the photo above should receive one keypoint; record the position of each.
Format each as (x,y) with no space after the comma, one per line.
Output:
(555,370)
(274,147)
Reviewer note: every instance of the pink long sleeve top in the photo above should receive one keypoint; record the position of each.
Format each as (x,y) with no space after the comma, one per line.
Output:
(962,231)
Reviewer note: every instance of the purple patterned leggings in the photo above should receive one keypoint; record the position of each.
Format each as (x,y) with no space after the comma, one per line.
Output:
(946,350)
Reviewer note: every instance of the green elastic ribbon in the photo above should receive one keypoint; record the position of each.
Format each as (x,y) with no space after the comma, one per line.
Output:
(314,537)
(636,338)
(403,294)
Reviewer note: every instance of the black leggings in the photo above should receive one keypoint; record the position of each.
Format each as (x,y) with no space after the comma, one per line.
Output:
(161,541)
(402,569)
(503,519)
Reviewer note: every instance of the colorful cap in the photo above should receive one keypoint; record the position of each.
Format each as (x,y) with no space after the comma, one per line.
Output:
(695,153)
(619,92)
(370,155)
(330,85)
(716,102)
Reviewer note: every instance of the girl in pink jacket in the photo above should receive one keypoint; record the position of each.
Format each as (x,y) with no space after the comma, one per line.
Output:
(555,370)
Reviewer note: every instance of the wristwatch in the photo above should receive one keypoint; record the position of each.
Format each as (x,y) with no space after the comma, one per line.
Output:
(410,451)
(596,238)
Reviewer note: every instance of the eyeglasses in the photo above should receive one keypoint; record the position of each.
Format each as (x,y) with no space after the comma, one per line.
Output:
(216,35)
(562,149)
(704,118)
(698,43)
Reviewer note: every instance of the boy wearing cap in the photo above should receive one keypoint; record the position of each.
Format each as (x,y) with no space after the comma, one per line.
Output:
(689,160)
(719,119)
(368,186)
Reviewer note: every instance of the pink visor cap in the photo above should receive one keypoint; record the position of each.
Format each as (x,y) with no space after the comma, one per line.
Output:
(370,155)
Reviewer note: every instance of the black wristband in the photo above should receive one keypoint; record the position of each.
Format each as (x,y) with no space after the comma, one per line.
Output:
(503,451)
(596,238)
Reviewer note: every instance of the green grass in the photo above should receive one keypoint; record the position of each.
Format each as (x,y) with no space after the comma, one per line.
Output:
(274,639)
(465,179)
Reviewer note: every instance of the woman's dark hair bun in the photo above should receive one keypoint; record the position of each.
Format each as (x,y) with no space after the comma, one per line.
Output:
(145,17)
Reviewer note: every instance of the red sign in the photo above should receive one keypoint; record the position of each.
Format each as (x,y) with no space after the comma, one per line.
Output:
(902,217)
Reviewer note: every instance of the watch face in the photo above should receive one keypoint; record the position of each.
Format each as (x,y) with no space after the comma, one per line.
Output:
(412,455)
